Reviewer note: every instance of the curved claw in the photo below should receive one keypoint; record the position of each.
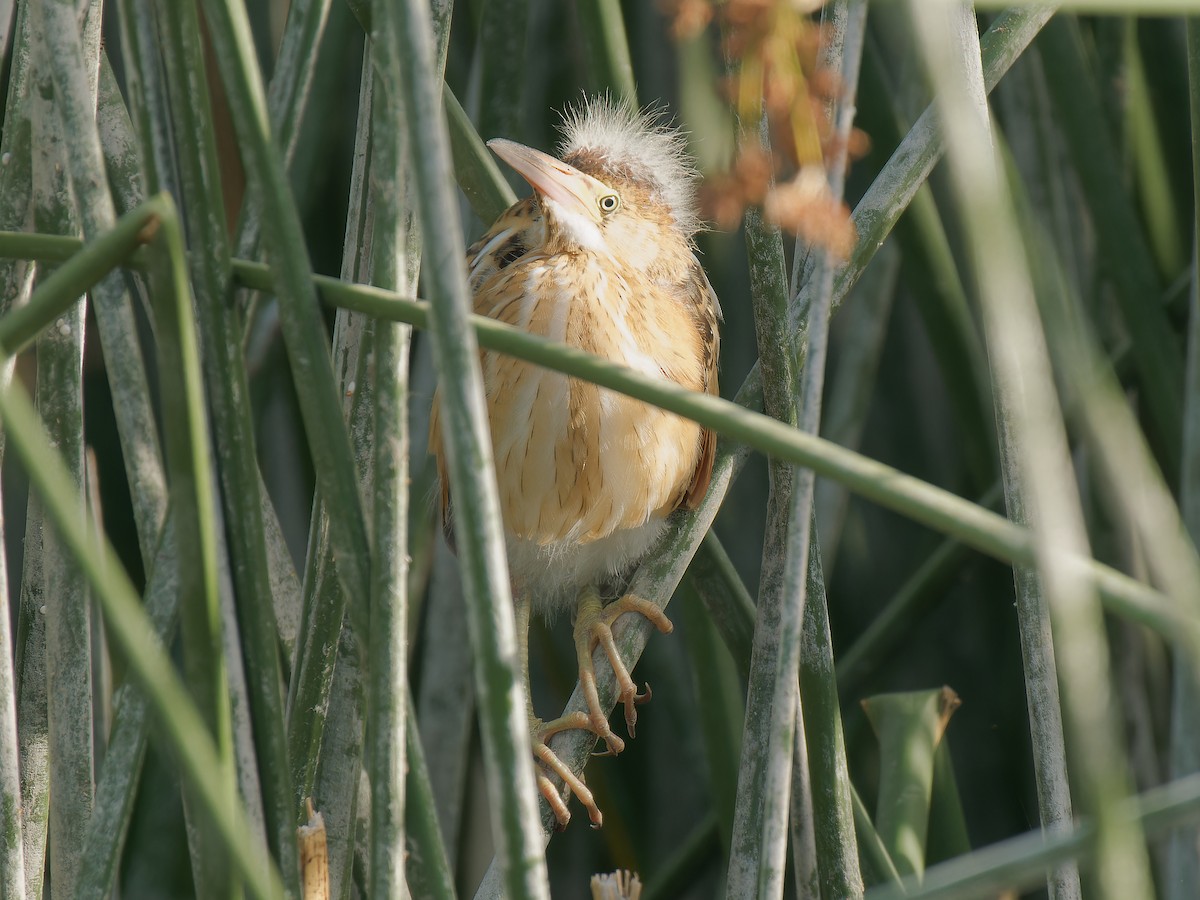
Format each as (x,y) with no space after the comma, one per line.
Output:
(631,700)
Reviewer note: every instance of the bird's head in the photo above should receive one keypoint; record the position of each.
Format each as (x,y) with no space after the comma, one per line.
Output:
(622,184)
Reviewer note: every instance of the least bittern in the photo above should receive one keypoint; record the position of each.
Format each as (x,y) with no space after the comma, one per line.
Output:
(601,257)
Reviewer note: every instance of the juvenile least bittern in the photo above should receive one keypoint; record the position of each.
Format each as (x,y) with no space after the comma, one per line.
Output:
(601,257)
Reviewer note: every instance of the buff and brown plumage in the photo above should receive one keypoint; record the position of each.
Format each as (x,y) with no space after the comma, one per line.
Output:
(601,257)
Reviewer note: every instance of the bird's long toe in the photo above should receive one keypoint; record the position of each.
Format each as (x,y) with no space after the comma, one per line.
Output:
(541,732)
(546,787)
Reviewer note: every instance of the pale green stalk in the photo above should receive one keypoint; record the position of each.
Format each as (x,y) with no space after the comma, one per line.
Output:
(195,151)
(187,444)
(839,869)
(1183,851)
(1023,378)
(327,694)
(327,765)
(116,789)
(1133,479)
(446,696)
(391,267)
(130,178)
(16,177)
(1103,7)
(1022,861)
(287,99)
(1037,650)
(760,827)
(759,843)
(18,755)
(336,783)
(1131,475)
(832,812)
(802,819)
(145,83)
(759,840)
(429,873)
(60,403)
(287,104)
(389,647)
(931,274)
(74,68)
(1040,153)
(129,628)
(303,331)
(1033,143)
(117,326)
(12,851)
(326,704)
(515,827)
(33,739)
(281,574)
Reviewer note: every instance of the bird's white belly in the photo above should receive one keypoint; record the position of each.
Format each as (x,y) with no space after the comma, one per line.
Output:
(552,574)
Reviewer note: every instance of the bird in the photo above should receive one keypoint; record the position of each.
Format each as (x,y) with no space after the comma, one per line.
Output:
(602,256)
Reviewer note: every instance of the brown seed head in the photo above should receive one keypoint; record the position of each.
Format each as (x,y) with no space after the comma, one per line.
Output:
(805,207)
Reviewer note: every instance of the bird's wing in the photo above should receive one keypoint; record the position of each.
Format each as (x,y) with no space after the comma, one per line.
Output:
(519,228)
(707,314)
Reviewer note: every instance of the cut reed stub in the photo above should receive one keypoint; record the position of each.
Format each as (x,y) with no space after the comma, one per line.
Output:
(314,859)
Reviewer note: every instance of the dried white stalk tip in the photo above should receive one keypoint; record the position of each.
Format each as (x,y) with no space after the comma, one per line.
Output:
(619,885)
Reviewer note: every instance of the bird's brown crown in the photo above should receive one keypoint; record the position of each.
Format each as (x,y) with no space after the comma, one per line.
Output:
(635,152)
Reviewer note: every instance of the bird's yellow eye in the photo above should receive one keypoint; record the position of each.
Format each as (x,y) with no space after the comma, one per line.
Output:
(609,203)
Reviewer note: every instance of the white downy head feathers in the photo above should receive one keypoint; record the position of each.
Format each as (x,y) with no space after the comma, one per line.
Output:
(639,145)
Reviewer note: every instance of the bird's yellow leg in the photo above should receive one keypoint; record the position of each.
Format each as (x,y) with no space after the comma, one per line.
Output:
(593,627)
(540,732)
(522,607)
